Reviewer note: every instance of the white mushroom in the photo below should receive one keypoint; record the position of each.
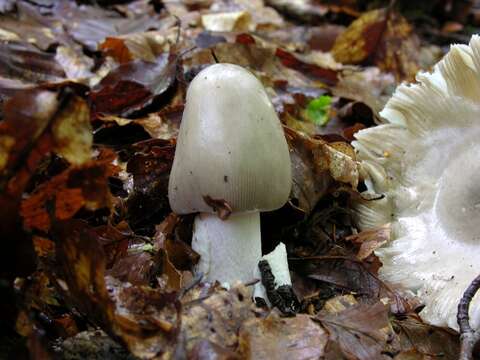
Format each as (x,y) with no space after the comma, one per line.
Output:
(426,162)
(231,148)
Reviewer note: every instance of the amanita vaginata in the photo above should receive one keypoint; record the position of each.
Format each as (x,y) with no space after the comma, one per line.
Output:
(426,162)
(231,149)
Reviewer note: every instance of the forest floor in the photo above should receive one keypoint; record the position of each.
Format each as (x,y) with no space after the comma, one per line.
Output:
(91,99)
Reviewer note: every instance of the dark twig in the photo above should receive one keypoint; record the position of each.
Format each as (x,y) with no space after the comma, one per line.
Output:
(468,336)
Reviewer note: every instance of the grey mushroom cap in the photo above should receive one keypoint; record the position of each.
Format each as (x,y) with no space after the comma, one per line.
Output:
(231,146)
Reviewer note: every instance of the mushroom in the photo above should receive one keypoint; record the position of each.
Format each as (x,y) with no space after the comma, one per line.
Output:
(231,155)
(425,161)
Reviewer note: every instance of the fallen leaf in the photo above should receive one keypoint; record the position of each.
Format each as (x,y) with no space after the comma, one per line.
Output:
(29,27)
(68,192)
(341,272)
(218,317)
(304,10)
(150,167)
(369,86)
(315,164)
(361,331)
(219,206)
(205,349)
(72,132)
(381,37)
(141,317)
(17,60)
(26,138)
(76,65)
(146,46)
(6,5)
(91,25)
(229,21)
(163,124)
(288,338)
(427,340)
(371,240)
(134,85)
(328,76)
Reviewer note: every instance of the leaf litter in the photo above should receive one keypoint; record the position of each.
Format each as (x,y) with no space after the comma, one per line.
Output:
(91,97)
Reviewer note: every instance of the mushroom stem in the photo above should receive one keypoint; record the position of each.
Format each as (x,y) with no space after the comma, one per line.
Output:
(230,249)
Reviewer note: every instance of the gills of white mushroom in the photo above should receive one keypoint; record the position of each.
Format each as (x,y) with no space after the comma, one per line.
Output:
(425,161)
(229,249)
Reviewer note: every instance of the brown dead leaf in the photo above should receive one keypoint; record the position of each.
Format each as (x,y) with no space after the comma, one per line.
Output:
(315,165)
(381,37)
(163,124)
(220,206)
(305,10)
(145,46)
(371,240)
(28,29)
(288,338)
(134,85)
(130,258)
(361,331)
(430,342)
(218,317)
(25,58)
(341,272)
(173,256)
(34,125)
(180,254)
(72,132)
(43,247)
(150,167)
(227,21)
(68,192)
(91,25)
(141,317)
(205,349)
(327,76)
(369,86)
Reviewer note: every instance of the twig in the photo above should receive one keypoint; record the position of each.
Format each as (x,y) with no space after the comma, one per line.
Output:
(468,336)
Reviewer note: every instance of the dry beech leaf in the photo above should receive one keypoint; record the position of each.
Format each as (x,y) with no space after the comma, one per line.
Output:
(371,240)
(315,164)
(76,65)
(224,311)
(164,124)
(72,132)
(430,341)
(205,349)
(134,85)
(228,21)
(288,338)
(144,46)
(70,191)
(141,317)
(381,37)
(361,331)
(36,122)
(150,167)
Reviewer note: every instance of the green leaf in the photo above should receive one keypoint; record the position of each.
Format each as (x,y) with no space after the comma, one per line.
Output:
(318,109)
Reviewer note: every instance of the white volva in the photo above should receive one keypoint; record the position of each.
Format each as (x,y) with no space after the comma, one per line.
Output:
(231,147)
(426,162)
(278,261)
